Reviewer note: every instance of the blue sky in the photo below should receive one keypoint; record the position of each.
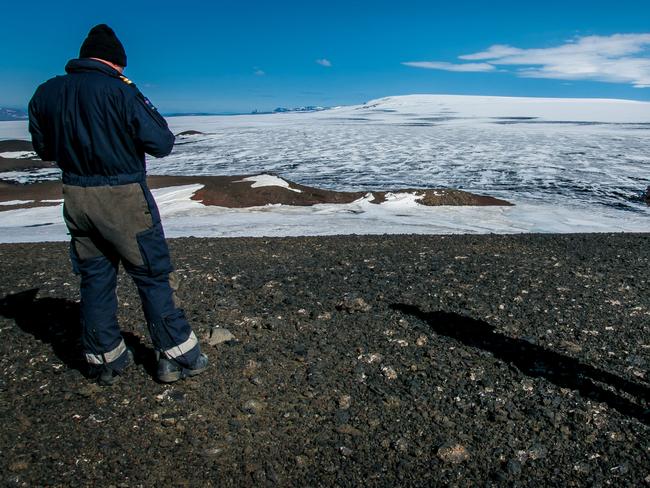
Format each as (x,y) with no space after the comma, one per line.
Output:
(237,56)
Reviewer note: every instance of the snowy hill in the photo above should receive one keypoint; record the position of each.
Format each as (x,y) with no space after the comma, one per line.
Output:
(451,107)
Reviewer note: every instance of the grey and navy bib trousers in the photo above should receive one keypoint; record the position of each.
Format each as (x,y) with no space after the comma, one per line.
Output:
(113,220)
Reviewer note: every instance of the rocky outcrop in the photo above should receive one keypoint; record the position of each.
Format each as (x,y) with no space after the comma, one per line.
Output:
(15,145)
(246,191)
(241,192)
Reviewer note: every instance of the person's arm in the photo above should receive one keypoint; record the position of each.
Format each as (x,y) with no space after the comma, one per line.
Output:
(149,128)
(35,129)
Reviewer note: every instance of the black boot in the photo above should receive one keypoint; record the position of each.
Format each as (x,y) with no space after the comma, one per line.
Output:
(169,370)
(108,376)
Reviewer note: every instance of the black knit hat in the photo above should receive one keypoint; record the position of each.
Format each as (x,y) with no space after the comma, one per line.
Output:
(102,43)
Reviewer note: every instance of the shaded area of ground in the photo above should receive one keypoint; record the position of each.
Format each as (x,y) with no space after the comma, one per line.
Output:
(380,361)
(536,361)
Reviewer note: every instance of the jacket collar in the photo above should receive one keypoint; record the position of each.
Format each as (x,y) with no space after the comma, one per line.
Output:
(82,65)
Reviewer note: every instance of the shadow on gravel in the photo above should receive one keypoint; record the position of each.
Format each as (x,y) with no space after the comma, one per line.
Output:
(55,321)
(536,361)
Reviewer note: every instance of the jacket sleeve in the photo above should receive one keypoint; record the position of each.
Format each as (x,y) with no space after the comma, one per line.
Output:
(149,128)
(36,130)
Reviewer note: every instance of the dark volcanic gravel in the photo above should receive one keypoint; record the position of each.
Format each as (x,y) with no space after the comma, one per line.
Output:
(380,361)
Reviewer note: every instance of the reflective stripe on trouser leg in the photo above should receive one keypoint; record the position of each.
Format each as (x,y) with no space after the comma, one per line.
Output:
(183,348)
(107,357)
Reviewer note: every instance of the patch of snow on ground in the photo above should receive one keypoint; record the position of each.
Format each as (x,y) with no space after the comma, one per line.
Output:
(405,199)
(16,202)
(18,154)
(14,129)
(268,180)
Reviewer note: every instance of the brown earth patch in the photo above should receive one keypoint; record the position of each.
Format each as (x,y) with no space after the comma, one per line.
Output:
(232,192)
(20,164)
(36,193)
(437,197)
(13,164)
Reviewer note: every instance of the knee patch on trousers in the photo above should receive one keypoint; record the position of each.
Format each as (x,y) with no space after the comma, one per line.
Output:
(174,283)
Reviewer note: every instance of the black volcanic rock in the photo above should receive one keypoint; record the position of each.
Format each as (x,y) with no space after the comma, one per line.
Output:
(491,398)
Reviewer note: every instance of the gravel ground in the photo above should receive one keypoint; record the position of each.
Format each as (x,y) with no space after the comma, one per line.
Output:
(379,361)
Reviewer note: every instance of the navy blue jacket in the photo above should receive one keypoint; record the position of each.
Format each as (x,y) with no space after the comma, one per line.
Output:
(96,125)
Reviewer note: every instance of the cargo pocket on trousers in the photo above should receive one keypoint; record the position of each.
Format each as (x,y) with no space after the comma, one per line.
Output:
(154,251)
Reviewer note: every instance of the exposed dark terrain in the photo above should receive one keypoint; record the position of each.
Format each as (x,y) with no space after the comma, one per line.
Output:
(358,361)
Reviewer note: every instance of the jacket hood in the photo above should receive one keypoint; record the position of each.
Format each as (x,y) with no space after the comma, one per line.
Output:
(81,65)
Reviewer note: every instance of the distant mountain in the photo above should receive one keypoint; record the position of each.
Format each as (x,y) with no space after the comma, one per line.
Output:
(12,114)
(282,110)
(196,114)
(279,110)
(308,108)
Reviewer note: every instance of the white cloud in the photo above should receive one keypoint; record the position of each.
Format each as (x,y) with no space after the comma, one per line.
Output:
(324,62)
(450,66)
(619,58)
(259,72)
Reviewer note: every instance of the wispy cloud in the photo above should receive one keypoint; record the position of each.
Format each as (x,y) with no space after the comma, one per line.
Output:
(450,66)
(324,62)
(258,72)
(619,58)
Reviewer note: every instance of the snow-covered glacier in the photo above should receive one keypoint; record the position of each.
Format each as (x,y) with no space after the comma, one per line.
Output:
(533,150)
(567,164)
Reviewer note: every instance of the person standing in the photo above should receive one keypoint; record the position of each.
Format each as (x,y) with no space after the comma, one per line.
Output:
(97,126)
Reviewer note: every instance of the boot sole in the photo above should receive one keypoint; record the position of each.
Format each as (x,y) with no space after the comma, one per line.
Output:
(170,378)
(194,372)
(177,375)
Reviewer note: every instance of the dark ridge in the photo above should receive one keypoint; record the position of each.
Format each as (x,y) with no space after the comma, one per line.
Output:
(232,192)
(12,145)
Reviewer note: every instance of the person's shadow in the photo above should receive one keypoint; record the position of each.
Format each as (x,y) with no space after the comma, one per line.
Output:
(56,321)
(537,361)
